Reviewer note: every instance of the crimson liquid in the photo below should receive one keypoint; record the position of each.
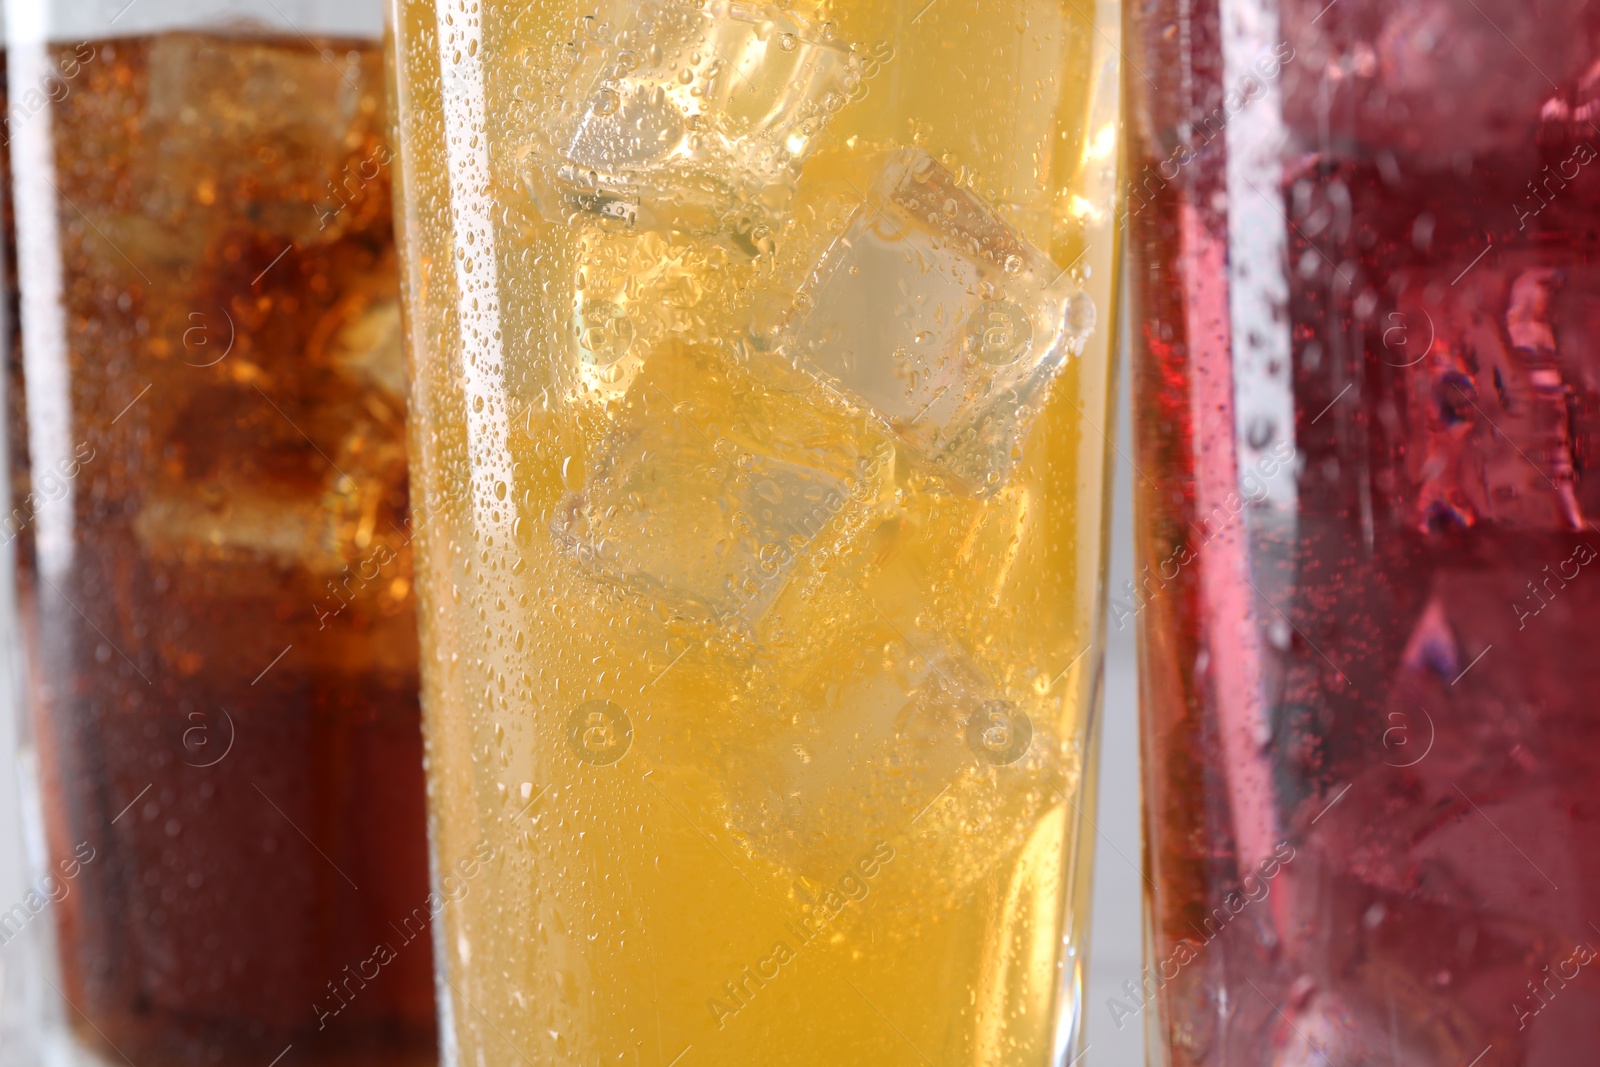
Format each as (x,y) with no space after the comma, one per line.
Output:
(1366,305)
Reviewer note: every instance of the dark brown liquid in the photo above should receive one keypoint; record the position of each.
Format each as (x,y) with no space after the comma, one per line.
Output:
(224,672)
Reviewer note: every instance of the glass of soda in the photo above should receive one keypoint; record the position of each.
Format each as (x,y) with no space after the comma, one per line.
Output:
(1366,305)
(759,365)
(209,511)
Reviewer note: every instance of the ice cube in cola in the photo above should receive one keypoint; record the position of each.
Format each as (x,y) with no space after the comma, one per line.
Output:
(310,510)
(676,113)
(199,92)
(938,318)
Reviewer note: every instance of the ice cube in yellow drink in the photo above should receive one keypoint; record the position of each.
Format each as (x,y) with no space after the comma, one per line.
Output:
(760,363)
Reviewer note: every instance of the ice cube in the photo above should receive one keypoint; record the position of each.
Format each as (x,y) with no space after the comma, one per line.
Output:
(1394,1021)
(1498,389)
(281,528)
(299,464)
(274,506)
(933,314)
(365,347)
(676,112)
(277,133)
(1432,81)
(636,290)
(916,746)
(712,490)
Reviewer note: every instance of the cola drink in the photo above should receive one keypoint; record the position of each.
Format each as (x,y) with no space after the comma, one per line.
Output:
(211,511)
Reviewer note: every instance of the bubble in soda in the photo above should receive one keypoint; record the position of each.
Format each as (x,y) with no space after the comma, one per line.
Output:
(677,113)
(936,316)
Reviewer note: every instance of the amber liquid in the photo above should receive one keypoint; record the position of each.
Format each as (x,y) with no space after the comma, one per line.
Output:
(223,664)
(725,680)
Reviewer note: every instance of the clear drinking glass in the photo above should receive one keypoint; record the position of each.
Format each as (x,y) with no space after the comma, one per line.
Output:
(24,891)
(760,363)
(209,511)
(1366,303)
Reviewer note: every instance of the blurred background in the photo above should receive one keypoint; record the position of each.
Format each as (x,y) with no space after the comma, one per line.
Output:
(1114,944)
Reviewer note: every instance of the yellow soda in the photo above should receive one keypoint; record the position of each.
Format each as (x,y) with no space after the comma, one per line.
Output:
(760,364)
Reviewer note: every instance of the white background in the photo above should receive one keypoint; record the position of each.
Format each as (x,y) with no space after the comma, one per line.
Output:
(81,20)
(1115,951)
